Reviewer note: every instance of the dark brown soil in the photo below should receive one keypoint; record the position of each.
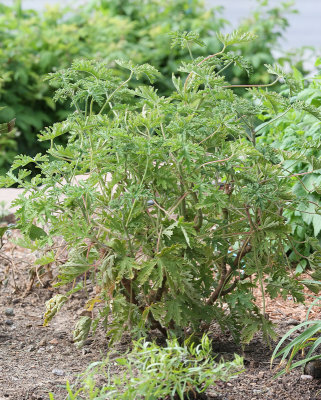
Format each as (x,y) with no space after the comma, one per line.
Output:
(258,382)
(36,360)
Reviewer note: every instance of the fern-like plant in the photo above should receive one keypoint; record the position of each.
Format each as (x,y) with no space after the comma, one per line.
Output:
(180,215)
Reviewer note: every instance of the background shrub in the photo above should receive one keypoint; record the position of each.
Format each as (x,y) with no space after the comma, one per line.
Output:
(295,131)
(33,44)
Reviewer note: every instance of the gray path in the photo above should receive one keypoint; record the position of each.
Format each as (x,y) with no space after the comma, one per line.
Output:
(305,27)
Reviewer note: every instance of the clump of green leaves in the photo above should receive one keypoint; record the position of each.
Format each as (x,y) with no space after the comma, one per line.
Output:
(151,372)
(298,132)
(164,201)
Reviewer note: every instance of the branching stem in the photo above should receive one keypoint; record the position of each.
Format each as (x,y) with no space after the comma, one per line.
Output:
(200,63)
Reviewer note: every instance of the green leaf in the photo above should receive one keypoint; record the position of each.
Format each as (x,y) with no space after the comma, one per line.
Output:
(81,330)
(185,235)
(316,222)
(46,259)
(139,70)
(174,311)
(308,333)
(121,361)
(275,70)
(236,37)
(183,39)
(317,62)
(35,232)
(146,269)
(3,230)
(126,268)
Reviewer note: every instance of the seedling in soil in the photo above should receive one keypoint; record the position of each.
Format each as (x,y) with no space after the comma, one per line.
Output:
(151,372)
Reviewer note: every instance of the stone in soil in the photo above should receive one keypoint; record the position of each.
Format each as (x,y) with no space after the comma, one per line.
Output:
(9,312)
(313,368)
(58,372)
(306,377)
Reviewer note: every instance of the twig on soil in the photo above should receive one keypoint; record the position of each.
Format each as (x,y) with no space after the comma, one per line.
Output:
(12,270)
(39,277)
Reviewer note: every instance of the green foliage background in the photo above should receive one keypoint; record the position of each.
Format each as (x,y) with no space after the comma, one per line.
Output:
(296,131)
(33,44)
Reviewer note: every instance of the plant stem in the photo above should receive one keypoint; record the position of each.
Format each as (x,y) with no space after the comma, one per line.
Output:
(114,92)
(251,86)
(225,67)
(140,186)
(200,63)
(257,129)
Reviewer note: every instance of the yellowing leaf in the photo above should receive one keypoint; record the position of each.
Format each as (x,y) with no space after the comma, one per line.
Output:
(53,306)
(91,303)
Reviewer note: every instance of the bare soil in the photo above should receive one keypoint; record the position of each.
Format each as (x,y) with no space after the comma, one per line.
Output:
(36,360)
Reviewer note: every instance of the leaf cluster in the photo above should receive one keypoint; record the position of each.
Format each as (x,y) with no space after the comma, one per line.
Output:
(148,371)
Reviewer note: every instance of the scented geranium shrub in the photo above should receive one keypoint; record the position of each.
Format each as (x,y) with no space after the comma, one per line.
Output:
(179,216)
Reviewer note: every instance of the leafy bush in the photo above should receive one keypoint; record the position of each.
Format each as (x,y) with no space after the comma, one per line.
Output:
(180,215)
(34,44)
(299,130)
(152,372)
